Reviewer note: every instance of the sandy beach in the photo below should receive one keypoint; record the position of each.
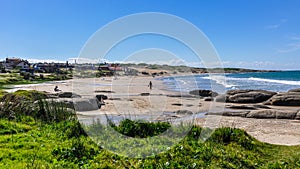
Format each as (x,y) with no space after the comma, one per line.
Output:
(125,98)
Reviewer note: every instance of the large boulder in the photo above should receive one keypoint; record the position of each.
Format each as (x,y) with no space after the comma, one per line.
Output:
(101,97)
(86,104)
(203,93)
(79,104)
(221,98)
(266,114)
(285,99)
(245,96)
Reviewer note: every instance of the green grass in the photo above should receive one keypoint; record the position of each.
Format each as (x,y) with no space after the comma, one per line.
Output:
(60,145)
(7,79)
(51,137)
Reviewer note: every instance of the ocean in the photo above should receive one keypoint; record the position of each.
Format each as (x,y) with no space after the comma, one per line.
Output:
(273,81)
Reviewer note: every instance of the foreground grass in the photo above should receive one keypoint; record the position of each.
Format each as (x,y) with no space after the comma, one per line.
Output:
(47,135)
(35,144)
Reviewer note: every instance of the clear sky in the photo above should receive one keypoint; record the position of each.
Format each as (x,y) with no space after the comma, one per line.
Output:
(263,34)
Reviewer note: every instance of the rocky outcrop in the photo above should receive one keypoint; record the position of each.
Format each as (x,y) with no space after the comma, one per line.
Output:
(261,114)
(247,107)
(245,96)
(294,90)
(230,113)
(203,93)
(267,114)
(285,99)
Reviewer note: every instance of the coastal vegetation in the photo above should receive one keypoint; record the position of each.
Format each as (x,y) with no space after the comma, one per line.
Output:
(16,78)
(39,134)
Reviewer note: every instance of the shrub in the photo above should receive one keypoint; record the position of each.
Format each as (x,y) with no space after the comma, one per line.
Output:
(140,128)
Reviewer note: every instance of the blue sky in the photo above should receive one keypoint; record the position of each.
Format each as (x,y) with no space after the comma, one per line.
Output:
(261,34)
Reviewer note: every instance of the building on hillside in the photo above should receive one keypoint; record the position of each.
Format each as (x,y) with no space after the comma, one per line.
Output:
(13,63)
(109,69)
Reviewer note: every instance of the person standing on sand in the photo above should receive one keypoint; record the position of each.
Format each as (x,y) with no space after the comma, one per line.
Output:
(150,85)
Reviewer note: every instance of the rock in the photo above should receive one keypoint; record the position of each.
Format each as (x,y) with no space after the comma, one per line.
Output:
(115,98)
(145,94)
(236,113)
(101,97)
(177,104)
(203,93)
(294,90)
(180,95)
(252,96)
(265,114)
(230,113)
(221,98)
(87,104)
(183,112)
(51,95)
(249,107)
(245,96)
(208,99)
(68,95)
(241,107)
(262,114)
(285,99)
(297,117)
(104,91)
(79,104)
(285,115)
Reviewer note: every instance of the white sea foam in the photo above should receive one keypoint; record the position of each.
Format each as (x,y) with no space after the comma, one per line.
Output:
(288,82)
(220,80)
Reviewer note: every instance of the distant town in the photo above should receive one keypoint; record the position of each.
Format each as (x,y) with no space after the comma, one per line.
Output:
(14,63)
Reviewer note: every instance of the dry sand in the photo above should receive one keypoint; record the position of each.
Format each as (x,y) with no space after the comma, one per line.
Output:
(125,98)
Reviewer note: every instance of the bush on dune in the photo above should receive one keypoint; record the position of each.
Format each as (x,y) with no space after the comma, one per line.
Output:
(31,103)
(141,129)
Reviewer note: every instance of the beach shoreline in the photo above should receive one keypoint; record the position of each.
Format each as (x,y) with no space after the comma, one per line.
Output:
(125,97)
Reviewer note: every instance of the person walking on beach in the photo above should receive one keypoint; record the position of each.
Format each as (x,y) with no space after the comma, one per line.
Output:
(150,85)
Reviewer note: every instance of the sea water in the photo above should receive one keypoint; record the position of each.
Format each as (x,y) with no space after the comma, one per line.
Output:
(280,81)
